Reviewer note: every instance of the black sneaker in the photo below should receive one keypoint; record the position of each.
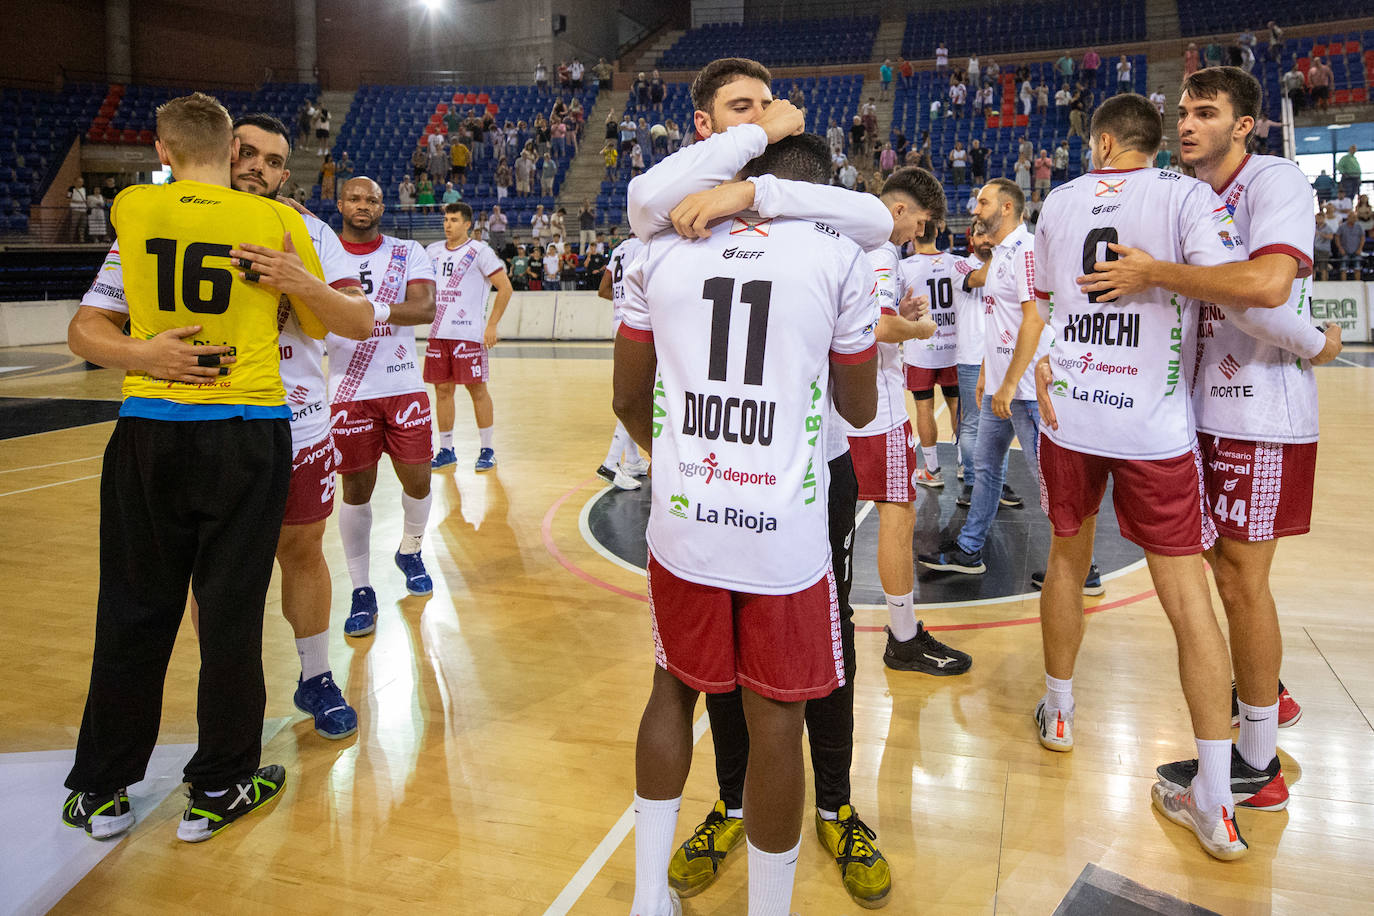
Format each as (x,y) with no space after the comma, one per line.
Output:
(206,816)
(101,814)
(1092,584)
(924,653)
(965,499)
(952,559)
(1010,499)
(1262,790)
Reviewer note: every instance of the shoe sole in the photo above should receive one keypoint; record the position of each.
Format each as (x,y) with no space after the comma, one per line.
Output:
(1095,591)
(953,567)
(1183,820)
(919,669)
(107,828)
(445,464)
(929,485)
(1240,801)
(1050,744)
(684,891)
(201,839)
(418,594)
(324,734)
(1019,504)
(356,634)
(485,469)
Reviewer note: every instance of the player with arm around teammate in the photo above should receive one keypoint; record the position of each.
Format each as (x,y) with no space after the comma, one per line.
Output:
(456,353)
(377,401)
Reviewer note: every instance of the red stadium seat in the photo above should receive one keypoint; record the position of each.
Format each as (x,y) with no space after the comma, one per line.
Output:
(493,109)
(1022,120)
(441,108)
(109,135)
(436,119)
(128,136)
(1359,96)
(483,98)
(1352,47)
(101,121)
(1304,63)
(470,99)
(1319,50)
(94,135)
(994,121)
(145,136)
(1340,97)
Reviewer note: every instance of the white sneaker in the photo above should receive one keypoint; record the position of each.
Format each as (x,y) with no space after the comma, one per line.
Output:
(637,468)
(1217,831)
(1056,734)
(623,481)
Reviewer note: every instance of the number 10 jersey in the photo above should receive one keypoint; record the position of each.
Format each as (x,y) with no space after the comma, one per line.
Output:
(745,325)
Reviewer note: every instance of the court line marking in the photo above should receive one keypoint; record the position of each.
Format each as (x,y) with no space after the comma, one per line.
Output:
(35,467)
(46,485)
(582,879)
(584,526)
(546,534)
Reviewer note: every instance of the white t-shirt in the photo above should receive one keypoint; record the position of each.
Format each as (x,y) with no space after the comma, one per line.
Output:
(941,56)
(1121,367)
(1123,71)
(745,325)
(1010,282)
(385,364)
(621,259)
(1252,381)
(302,357)
(957,158)
(934,276)
(887,291)
(460,294)
(971,306)
(1158,98)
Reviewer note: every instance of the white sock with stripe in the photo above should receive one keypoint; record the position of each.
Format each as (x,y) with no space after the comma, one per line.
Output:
(655,824)
(314,655)
(932,458)
(446,439)
(771,876)
(1259,733)
(901,619)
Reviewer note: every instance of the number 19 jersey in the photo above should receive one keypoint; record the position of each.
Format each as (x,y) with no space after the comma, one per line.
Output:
(1121,383)
(745,325)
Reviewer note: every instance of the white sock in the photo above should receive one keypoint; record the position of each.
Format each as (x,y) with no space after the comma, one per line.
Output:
(314,653)
(446,439)
(416,518)
(932,457)
(1259,733)
(771,875)
(901,618)
(619,446)
(1060,693)
(484,434)
(355,530)
(1212,785)
(828,815)
(734,812)
(655,824)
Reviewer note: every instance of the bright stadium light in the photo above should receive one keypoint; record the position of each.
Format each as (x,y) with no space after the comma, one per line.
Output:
(431,6)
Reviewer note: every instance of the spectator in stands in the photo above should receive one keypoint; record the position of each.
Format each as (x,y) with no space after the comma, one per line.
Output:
(1032,214)
(541,77)
(640,91)
(1157,97)
(1364,214)
(899,143)
(992,72)
(958,93)
(1026,149)
(884,74)
(1090,64)
(1123,75)
(1190,60)
(305,121)
(627,134)
(869,120)
(610,156)
(1343,204)
(1041,168)
(612,128)
(76,205)
(519,269)
(1211,54)
(1349,246)
(674,136)
(1294,85)
(986,97)
(327,177)
(636,158)
(593,263)
(568,268)
(1164,159)
(1027,95)
(524,173)
(1319,78)
(548,171)
(559,134)
(558,226)
(1042,98)
(1064,68)
(497,223)
(543,136)
(502,178)
(1059,166)
(575,72)
(1325,186)
(603,72)
(971,205)
(1348,168)
(343,171)
(322,128)
(887,160)
(439,163)
(906,71)
(1085,159)
(856,136)
(451,194)
(424,194)
(941,60)
(1022,75)
(834,138)
(849,176)
(586,225)
(1259,135)
(539,224)
(476,130)
(1078,118)
(1321,248)
(1247,52)
(958,163)
(95,215)
(978,163)
(935,109)
(419,160)
(434,143)
(1061,104)
(1275,41)
(657,91)
(974,71)
(644,138)
(1022,171)
(925,159)
(860,183)
(451,122)
(551,268)
(658,141)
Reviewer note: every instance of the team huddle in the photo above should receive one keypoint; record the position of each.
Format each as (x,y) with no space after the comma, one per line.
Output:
(1153,332)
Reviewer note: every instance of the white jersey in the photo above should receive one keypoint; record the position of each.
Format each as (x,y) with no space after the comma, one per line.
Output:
(887,291)
(933,276)
(1010,282)
(1120,368)
(1250,381)
(302,357)
(461,287)
(386,363)
(621,259)
(745,325)
(971,307)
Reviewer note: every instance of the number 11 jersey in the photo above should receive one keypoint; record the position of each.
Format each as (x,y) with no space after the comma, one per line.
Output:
(745,325)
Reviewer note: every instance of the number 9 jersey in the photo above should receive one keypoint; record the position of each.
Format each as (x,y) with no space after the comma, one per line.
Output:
(174,243)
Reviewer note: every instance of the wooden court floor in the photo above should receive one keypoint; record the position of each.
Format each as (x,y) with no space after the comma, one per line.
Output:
(494,758)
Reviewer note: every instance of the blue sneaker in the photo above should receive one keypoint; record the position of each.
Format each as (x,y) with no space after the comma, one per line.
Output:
(486,459)
(418,581)
(362,617)
(443,458)
(320,697)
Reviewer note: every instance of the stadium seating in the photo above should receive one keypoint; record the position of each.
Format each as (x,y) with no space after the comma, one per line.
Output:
(794,42)
(128,114)
(36,131)
(1048,25)
(386,122)
(1350,56)
(1220,16)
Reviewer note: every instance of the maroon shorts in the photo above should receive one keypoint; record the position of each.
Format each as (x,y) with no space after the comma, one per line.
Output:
(462,362)
(884,464)
(919,378)
(311,496)
(398,425)
(786,647)
(1159,504)
(1258,491)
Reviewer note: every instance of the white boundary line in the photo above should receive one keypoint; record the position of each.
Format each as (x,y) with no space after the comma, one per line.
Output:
(585,527)
(46,485)
(35,467)
(579,882)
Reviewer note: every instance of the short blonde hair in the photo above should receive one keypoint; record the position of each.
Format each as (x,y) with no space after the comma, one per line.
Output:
(195,130)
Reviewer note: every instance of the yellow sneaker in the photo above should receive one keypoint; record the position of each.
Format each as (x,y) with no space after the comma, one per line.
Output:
(863,869)
(696,862)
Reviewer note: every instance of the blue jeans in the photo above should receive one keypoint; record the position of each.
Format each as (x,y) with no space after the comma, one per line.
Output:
(968,422)
(994,441)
